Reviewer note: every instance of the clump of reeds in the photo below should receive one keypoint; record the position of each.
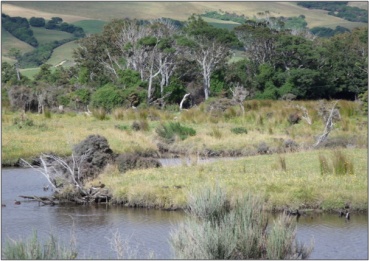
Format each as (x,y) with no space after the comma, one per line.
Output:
(324,165)
(47,113)
(141,125)
(222,232)
(216,133)
(33,249)
(342,165)
(118,113)
(282,162)
(100,114)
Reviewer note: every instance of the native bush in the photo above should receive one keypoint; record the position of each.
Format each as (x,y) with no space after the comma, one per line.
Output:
(168,131)
(126,162)
(107,97)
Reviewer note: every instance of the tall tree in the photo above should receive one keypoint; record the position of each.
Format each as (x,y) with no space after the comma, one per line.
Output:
(209,48)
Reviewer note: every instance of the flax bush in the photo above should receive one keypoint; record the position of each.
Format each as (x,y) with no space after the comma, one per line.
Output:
(214,230)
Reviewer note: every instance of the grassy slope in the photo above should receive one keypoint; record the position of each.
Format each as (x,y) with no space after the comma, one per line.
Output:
(8,41)
(91,26)
(144,10)
(63,53)
(46,36)
(79,13)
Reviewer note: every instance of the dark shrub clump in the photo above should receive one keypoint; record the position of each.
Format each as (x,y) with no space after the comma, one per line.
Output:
(126,162)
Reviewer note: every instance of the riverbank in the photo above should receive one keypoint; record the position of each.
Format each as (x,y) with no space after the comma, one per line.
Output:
(275,149)
(284,181)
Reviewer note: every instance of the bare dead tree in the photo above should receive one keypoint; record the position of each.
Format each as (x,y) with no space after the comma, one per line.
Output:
(57,170)
(183,100)
(328,126)
(239,95)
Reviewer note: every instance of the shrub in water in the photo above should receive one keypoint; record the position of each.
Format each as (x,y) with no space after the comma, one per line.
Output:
(221,232)
(33,249)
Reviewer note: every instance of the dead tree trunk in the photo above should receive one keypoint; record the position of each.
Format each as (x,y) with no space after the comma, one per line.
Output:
(328,127)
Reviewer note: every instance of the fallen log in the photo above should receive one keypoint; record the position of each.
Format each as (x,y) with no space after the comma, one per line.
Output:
(43,200)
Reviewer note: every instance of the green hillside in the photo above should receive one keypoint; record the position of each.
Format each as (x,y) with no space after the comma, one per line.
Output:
(8,41)
(92,16)
(63,54)
(46,36)
(91,26)
(106,11)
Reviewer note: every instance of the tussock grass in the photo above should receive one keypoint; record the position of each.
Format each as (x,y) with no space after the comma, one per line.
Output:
(342,165)
(62,131)
(32,248)
(238,232)
(100,114)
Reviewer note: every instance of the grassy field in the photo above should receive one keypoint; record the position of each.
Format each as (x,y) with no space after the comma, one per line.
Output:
(8,41)
(93,15)
(91,26)
(147,10)
(46,36)
(265,121)
(63,53)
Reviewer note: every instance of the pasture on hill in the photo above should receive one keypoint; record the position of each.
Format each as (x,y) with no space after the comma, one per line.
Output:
(92,16)
(75,11)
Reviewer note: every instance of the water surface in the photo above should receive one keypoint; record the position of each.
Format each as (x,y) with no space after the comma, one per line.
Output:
(146,231)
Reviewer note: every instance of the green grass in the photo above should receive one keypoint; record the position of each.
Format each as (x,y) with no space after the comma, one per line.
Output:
(91,26)
(46,36)
(301,185)
(63,54)
(296,179)
(8,41)
(147,10)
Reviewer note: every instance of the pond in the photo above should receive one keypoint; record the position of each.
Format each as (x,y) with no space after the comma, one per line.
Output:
(146,232)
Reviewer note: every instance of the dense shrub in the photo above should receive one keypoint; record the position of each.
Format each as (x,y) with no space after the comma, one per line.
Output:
(19,28)
(294,118)
(126,162)
(263,148)
(96,154)
(37,21)
(107,97)
(140,125)
(169,130)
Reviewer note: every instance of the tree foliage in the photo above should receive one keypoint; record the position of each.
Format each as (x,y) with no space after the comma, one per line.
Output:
(158,62)
(19,28)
